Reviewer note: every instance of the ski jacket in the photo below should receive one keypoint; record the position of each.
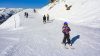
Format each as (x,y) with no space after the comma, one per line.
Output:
(65,29)
(44,17)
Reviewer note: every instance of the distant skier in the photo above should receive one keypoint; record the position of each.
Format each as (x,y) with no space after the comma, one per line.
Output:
(66,6)
(26,14)
(69,7)
(44,19)
(34,10)
(66,30)
(47,17)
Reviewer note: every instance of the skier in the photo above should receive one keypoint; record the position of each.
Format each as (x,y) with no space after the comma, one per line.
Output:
(26,14)
(44,19)
(66,6)
(66,30)
(34,10)
(69,7)
(47,17)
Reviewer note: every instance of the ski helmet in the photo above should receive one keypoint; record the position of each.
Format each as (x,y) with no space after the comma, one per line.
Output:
(65,23)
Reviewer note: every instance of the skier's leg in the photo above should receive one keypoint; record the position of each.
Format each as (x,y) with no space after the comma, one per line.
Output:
(64,39)
(45,21)
(68,39)
(69,42)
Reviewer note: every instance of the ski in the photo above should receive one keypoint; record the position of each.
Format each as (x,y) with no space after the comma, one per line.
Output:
(66,47)
(69,46)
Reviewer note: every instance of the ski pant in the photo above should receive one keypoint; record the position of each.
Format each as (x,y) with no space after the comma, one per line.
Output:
(66,37)
(44,21)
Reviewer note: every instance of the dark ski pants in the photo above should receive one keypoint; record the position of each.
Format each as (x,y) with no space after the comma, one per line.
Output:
(66,37)
(44,21)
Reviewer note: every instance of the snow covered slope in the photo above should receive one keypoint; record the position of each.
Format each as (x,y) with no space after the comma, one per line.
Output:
(14,21)
(38,39)
(83,12)
(33,38)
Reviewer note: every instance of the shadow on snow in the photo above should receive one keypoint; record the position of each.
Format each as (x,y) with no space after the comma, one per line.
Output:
(74,39)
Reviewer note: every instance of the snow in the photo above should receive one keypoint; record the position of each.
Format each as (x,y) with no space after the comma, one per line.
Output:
(12,22)
(31,37)
(6,13)
(82,12)
(9,10)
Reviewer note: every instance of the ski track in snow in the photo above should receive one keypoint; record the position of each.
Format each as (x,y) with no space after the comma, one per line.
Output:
(38,39)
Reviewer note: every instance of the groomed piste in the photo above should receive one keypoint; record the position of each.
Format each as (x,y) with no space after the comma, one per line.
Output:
(21,36)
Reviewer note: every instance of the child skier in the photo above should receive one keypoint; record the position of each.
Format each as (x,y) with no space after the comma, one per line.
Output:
(66,30)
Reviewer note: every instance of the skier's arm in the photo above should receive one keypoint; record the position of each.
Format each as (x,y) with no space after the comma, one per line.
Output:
(69,29)
(63,29)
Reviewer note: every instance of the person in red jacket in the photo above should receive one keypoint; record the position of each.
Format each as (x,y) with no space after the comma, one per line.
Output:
(66,30)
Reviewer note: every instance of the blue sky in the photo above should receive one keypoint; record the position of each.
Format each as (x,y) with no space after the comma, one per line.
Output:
(23,3)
